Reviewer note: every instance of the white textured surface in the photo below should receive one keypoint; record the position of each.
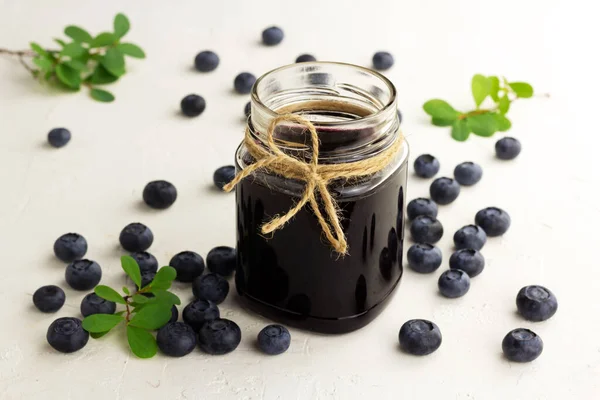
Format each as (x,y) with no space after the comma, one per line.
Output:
(93,186)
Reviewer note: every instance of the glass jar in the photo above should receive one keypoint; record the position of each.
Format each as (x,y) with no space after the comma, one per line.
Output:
(293,275)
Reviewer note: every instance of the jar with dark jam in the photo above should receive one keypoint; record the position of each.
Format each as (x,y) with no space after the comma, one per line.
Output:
(293,275)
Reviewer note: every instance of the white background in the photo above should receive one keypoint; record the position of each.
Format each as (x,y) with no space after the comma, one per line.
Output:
(93,186)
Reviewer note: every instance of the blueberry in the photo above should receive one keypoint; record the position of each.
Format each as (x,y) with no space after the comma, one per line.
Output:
(136,237)
(49,298)
(174,314)
(454,283)
(469,260)
(94,304)
(426,229)
(67,335)
(383,60)
(176,339)
(305,58)
(468,173)
(247,109)
(536,303)
(424,258)
(508,148)
(145,260)
(470,237)
(272,36)
(221,260)
(198,312)
(211,287)
(243,83)
(223,176)
(426,166)
(444,190)
(160,194)
(147,277)
(421,206)
(58,137)
(493,220)
(522,345)
(188,265)
(420,337)
(206,61)
(83,274)
(219,336)
(70,247)
(274,339)
(192,105)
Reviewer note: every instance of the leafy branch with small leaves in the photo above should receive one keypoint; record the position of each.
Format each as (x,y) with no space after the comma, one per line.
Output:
(142,314)
(481,121)
(86,60)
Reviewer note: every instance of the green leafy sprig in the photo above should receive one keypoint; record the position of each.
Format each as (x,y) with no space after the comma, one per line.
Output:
(142,314)
(481,121)
(86,60)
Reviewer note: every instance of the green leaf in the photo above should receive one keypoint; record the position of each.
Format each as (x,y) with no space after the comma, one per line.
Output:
(151,317)
(126,290)
(78,34)
(103,39)
(44,64)
(164,297)
(109,294)
(480,86)
(132,269)
(141,342)
(131,50)
(75,64)
(98,323)
(38,49)
(440,109)
(139,299)
(60,42)
(482,124)
(163,278)
(97,335)
(460,130)
(73,50)
(102,95)
(69,76)
(503,104)
(494,87)
(522,89)
(101,76)
(121,25)
(114,62)
(502,122)
(442,122)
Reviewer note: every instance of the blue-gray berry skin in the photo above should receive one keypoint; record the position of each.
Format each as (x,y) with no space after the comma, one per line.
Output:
(146,261)
(94,304)
(67,335)
(468,173)
(444,190)
(222,260)
(470,237)
(247,109)
(206,61)
(426,166)
(83,274)
(420,337)
(305,58)
(421,206)
(272,36)
(70,247)
(147,277)
(192,105)
(159,194)
(274,339)
(454,283)
(493,220)
(188,265)
(136,237)
(219,336)
(174,314)
(176,339)
(424,258)
(426,229)
(198,312)
(522,345)
(49,298)
(508,148)
(469,260)
(536,303)
(243,82)
(59,137)
(211,287)
(223,176)
(383,60)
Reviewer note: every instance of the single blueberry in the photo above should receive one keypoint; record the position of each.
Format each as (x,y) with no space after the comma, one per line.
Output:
(305,58)
(188,265)
(145,260)
(211,287)
(420,337)
(421,206)
(444,190)
(192,105)
(206,61)
(470,237)
(174,314)
(243,83)
(493,220)
(424,258)
(508,148)
(247,109)
(426,166)
(136,237)
(454,283)
(274,339)
(522,345)
(147,277)
(469,260)
(67,335)
(70,247)
(468,173)
(198,312)
(222,260)
(383,60)
(49,298)
(94,304)
(83,274)
(536,303)
(272,36)
(160,194)
(223,176)
(58,137)
(219,336)
(426,229)
(176,339)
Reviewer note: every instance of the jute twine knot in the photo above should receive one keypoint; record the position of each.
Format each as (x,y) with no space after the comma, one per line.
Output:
(316,176)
